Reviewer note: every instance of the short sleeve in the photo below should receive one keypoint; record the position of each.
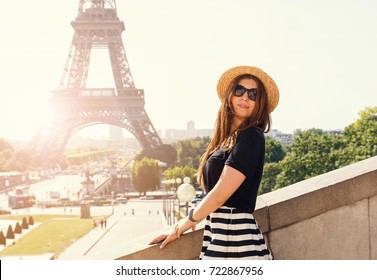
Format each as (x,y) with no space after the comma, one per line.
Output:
(247,155)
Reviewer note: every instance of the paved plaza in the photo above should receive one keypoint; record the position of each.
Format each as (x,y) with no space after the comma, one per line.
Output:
(128,229)
(125,232)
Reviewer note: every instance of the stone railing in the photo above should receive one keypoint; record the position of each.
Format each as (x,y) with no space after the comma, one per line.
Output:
(331,216)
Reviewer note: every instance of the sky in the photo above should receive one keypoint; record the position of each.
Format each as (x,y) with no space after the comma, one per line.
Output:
(322,55)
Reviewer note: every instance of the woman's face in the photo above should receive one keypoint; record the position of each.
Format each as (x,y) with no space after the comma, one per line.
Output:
(243,106)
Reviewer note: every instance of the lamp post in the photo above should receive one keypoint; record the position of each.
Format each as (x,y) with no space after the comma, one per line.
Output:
(178,181)
(112,203)
(186,192)
(172,202)
(168,203)
(164,198)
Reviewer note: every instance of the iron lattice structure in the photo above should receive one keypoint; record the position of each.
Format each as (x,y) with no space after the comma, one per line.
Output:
(73,106)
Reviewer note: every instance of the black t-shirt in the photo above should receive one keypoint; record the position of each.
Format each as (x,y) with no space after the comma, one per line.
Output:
(247,156)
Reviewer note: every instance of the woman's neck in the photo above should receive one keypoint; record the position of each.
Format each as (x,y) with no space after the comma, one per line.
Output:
(235,124)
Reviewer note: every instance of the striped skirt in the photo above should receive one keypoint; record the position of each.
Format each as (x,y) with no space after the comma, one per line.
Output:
(230,234)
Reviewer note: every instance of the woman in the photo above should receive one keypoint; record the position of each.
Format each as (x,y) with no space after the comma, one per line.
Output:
(231,169)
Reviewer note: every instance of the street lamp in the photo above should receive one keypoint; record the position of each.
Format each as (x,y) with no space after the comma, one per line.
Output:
(112,202)
(186,192)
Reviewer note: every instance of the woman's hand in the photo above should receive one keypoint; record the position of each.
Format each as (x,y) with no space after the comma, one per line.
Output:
(182,226)
(158,239)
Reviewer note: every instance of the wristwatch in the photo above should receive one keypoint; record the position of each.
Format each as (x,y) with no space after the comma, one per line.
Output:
(190,216)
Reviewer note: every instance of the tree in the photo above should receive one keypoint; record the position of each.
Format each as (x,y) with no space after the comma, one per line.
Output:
(189,151)
(10,233)
(274,150)
(23,158)
(360,138)
(145,175)
(24,224)
(165,153)
(313,152)
(6,154)
(13,160)
(5,145)
(17,228)
(31,220)
(270,173)
(3,240)
(181,172)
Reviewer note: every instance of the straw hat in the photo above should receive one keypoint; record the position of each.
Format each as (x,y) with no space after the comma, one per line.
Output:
(271,89)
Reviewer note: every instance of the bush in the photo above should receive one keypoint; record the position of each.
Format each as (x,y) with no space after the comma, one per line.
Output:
(17,228)
(4,212)
(3,241)
(24,223)
(10,233)
(31,221)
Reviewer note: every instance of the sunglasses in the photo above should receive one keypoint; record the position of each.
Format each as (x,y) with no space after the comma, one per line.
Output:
(251,93)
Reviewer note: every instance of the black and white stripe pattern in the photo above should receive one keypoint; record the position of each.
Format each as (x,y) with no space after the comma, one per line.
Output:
(230,234)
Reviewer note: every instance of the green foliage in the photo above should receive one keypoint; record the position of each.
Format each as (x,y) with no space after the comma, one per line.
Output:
(313,152)
(10,233)
(82,156)
(361,137)
(165,153)
(24,224)
(274,150)
(183,158)
(145,175)
(52,236)
(181,172)
(189,151)
(11,159)
(270,173)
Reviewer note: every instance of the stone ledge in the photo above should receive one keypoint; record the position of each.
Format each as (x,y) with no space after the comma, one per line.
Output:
(317,195)
(187,247)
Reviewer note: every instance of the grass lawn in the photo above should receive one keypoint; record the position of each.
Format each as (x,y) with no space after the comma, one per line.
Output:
(54,234)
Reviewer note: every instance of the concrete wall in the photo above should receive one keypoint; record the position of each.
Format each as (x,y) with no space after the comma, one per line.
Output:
(331,216)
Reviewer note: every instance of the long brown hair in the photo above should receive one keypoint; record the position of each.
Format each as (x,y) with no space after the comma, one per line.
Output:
(223,137)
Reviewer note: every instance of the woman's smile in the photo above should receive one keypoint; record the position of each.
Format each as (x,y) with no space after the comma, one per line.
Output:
(243,106)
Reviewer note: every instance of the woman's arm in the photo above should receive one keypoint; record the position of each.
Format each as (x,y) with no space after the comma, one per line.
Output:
(228,183)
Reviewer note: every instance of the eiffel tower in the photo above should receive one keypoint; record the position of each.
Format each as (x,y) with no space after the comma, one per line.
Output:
(74,106)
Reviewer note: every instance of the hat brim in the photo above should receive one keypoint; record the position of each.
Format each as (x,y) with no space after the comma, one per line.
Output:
(227,78)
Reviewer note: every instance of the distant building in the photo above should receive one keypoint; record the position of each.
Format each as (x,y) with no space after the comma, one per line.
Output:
(335,132)
(130,145)
(172,135)
(284,138)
